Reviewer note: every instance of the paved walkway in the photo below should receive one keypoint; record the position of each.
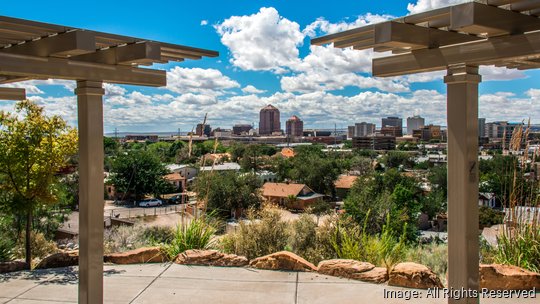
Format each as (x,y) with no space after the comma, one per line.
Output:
(171,283)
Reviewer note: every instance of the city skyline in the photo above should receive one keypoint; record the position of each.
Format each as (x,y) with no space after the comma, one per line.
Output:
(266,58)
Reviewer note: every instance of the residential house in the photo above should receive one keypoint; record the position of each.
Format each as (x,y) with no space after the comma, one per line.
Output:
(177,180)
(222,167)
(292,196)
(344,184)
(186,171)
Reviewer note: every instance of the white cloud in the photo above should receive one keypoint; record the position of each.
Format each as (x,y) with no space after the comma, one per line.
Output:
(493,73)
(323,26)
(197,80)
(204,22)
(252,90)
(426,5)
(264,41)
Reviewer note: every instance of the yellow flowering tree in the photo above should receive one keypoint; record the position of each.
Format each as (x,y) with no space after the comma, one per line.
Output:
(33,149)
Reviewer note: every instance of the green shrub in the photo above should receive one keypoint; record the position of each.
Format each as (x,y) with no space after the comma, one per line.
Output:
(303,238)
(433,255)
(123,238)
(41,247)
(520,246)
(199,233)
(263,233)
(6,248)
(385,249)
(158,235)
(489,217)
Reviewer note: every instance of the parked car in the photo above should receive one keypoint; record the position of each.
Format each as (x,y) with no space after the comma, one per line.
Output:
(152,202)
(175,199)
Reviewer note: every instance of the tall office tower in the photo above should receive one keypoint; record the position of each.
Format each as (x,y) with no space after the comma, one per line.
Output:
(363,129)
(414,123)
(481,127)
(269,120)
(294,126)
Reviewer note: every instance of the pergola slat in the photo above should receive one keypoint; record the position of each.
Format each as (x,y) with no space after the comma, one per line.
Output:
(62,45)
(12,93)
(402,35)
(138,53)
(425,60)
(480,19)
(60,68)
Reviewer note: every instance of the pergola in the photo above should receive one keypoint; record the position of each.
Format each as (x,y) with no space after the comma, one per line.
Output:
(457,39)
(35,50)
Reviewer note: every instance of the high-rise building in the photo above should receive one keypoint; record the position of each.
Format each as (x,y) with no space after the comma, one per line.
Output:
(294,126)
(269,120)
(203,130)
(363,129)
(392,121)
(392,131)
(481,127)
(414,123)
(241,129)
(350,132)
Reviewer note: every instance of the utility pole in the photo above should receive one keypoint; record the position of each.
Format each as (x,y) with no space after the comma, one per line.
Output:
(116,134)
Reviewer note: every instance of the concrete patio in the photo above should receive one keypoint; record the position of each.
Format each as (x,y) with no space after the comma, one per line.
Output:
(171,283)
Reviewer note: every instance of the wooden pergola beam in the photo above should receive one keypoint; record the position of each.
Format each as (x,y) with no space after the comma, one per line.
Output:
(12,93)
(481,19)
(61,45)
(137,53)
(493,49)
(403,35)
(60,68)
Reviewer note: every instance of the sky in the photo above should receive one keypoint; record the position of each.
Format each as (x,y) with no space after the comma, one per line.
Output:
(265,58)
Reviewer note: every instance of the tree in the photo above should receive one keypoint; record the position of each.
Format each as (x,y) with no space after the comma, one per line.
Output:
(228,191)
(139,173)
(110,145)
(398,159)
(33,149)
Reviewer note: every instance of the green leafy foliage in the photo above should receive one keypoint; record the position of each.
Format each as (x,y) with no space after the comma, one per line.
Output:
(33,149)
(520,246)
(199,233)
(263,233)
(139,172)
(227,191)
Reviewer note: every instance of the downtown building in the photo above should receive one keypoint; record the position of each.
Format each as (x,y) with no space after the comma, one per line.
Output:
(414,123)
(392,125)
(294,127)
(269,122)
(360,129)
(241,129)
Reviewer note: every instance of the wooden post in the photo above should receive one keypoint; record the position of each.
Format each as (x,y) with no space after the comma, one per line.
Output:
(91,201)
(462,89)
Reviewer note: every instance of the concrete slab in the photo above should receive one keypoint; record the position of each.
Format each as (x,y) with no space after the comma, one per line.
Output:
(228,273)
(226,291)
(171,283)
(16,283)
(138,270)
(118,288)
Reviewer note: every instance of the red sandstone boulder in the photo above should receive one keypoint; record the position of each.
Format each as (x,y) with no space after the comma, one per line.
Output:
(13,266)
(413,275)
(60,259)
(210,258)
(376,275)
(282,260)
(137,256)
(343,268)
(506,277)
(352,269)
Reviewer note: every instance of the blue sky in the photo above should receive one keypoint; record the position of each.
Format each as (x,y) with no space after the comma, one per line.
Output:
(265,57)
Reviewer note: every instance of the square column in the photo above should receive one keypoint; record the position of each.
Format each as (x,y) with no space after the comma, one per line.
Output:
(91,201)
(462,110)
